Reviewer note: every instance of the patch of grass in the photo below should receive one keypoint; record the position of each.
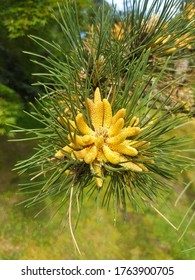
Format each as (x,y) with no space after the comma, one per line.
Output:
(141,236)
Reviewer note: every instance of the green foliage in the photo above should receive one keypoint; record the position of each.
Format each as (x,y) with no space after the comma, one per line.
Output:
(64,78)
(20,18)
(127,68)
(10,109)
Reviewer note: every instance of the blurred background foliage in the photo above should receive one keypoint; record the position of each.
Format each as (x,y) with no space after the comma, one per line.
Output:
(18,19)
(21,235)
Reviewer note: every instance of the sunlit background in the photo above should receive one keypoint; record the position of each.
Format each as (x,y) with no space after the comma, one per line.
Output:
(119,3)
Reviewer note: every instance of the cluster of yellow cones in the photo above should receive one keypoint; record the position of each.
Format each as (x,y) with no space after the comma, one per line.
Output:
(104,140)
(184,41)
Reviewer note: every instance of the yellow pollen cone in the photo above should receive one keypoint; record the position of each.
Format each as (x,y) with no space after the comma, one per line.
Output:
(91,155)
(96,111)
(61,120)
(159,40)
(142,166)
(130,165)
(118,139)
(82,126)
(97,96)
(131,131)
(101,157)
(99,142)
(126,150)
(169,51)
(107,113)
(116,128)
(88,139)
(120,114)
(110,155)
(69,148)
(98,173)
(59,155)
(83,140)
(166,39)
(80,154)
(134,121)
(91,107)
(99,115)
(72,124)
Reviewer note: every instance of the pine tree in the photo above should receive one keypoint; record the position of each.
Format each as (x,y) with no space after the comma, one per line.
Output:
(110,113)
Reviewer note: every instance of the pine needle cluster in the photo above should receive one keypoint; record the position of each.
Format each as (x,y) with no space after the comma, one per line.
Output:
(107,120)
